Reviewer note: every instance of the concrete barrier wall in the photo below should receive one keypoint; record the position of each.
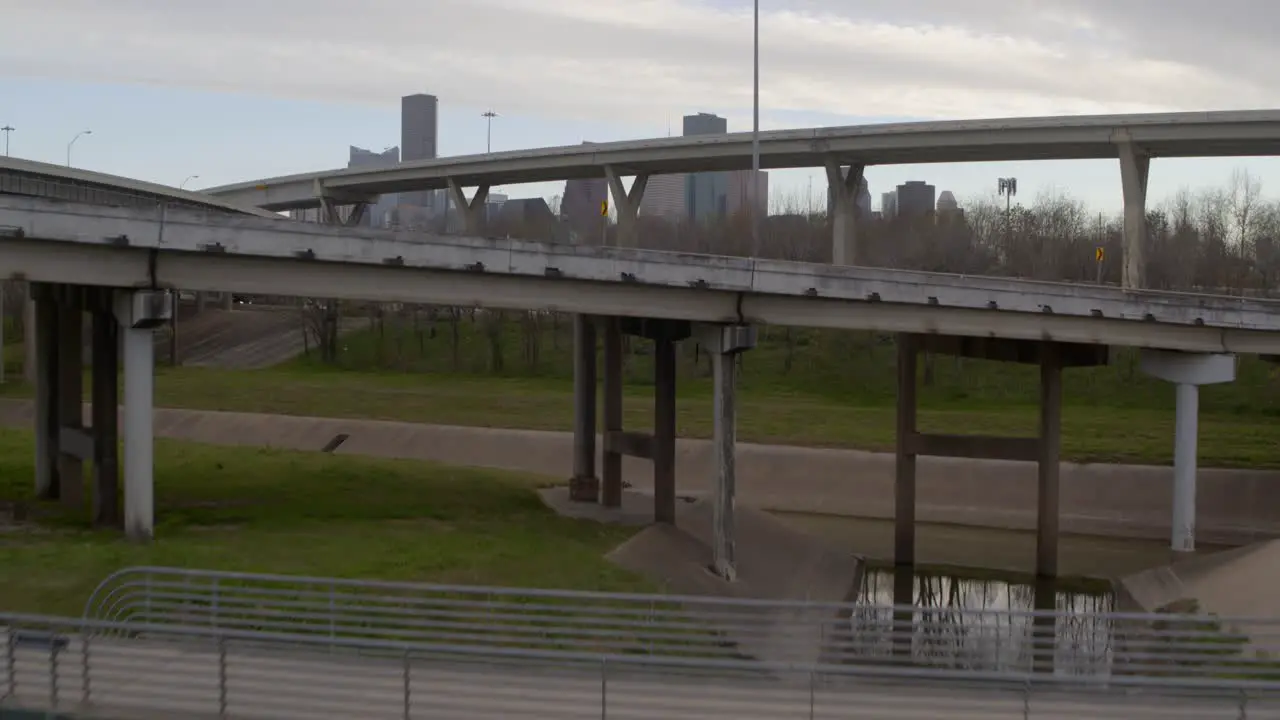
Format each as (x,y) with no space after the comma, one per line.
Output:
(1234,506)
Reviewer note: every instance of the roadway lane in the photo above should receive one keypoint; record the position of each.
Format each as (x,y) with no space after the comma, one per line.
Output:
(142,679)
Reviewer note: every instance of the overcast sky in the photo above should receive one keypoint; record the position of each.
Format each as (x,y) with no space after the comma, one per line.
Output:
(234,90)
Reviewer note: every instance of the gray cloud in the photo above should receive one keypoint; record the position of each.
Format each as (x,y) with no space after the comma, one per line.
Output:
(645,59)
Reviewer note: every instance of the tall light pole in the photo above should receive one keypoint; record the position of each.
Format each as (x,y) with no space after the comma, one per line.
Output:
(73,142)
(755,139)
(6,130)
(189,179)
(488,115)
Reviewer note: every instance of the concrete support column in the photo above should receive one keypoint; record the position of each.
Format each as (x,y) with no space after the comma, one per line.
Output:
(328,208)
(611,467)
(1188,371)
(29,336)
(627,204)
(904,492)
(228,300)
(70,398)
(664,430)
(139,313)
(45,342)
(725,343)
(844,184)
(584,486)
(1047,492)
(106,402)
(473,210)
(1185,436)
(1135,166)
(359,215)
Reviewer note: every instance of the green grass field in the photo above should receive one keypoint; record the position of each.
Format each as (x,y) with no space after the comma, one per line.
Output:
(305,513)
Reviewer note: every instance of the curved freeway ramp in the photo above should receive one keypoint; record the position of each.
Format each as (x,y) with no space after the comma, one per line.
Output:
(45,180)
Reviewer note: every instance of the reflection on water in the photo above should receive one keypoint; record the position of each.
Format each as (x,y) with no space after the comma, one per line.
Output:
(983,623)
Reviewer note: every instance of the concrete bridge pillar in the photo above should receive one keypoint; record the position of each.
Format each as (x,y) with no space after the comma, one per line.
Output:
(658,447)
(1135,167)
(63,442)
(611,466)
(139,313)
(1189,371)
(844,184)
(1044,450)
(29,337)
(627,204)
(473,210)
(584,486)
(725,343)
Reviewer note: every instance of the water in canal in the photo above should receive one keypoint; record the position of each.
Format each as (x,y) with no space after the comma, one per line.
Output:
(981,620)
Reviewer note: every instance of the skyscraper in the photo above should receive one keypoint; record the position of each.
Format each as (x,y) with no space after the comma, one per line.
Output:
(580,206)
(741,191)
(889,204)
(664,197)
(361,158)
(706,193)
(419,139)
(916,198)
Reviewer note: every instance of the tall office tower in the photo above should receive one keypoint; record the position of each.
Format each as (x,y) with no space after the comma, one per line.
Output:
(664,197)
(580,206)
(948,209)
(889,205)
(379,215)
(706,194)
(916,198)
(741,192)
(419,138)
(863,200)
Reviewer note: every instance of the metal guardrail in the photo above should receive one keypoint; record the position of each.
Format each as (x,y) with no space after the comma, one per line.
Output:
(79,667)
(583,626)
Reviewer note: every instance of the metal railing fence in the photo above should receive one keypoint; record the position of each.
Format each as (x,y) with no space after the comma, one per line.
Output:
(102,669)
(568,624)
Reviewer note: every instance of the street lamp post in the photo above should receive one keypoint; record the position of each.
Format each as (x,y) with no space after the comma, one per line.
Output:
(755,138)
(73,142)
(6,130)
(488,115)
(189,179)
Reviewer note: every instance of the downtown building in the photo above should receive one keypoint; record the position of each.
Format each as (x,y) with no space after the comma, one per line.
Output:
(420,140)
(580,207)
(381,214)
(704,197)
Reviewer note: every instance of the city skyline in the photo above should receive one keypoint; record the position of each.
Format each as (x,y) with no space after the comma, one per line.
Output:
(227,104)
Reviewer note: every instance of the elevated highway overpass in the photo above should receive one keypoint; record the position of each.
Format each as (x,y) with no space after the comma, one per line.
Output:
(845,152)
(119,262)
(29,178)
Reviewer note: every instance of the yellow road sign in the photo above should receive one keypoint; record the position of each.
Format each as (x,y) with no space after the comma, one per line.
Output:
(1098,254)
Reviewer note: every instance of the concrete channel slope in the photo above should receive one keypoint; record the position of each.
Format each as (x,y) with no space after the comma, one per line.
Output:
(142,679)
